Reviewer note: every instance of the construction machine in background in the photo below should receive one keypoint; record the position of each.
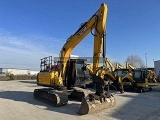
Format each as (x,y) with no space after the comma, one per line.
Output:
(127,78)
(141,80)
(133,79)
(151,75)
(111,75)
(130,67)
(116,75)
(118,66)
(65,77)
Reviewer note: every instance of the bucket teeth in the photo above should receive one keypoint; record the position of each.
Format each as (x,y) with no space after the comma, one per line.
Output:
(91,105)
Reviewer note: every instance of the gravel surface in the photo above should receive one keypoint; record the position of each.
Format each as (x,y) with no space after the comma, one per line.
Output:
(17,103)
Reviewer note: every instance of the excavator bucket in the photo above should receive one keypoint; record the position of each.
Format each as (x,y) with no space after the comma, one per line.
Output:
(91,106)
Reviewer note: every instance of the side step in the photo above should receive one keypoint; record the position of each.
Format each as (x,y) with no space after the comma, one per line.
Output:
(51,96)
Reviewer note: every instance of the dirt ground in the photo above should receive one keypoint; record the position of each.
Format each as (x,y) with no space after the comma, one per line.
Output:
(17,103)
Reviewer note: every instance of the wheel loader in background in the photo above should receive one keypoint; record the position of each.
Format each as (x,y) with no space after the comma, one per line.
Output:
(66,77)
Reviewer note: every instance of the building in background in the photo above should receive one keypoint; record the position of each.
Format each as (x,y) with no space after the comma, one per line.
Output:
(15,71)
(157,67)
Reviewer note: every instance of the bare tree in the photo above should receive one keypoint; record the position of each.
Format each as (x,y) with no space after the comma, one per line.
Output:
(136,61)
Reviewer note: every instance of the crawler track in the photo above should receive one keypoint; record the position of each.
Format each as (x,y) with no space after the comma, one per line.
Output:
(51,96)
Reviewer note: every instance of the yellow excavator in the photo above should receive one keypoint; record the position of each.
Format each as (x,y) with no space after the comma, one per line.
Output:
(113,75)
(109,70)
(130,66)
(118,66)
(128,78)
(151,75)
(65,76)
(133,79)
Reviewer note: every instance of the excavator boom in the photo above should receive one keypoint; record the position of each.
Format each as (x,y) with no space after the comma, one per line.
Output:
(96,22)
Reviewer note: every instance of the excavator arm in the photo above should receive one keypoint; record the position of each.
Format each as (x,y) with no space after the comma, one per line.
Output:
(96,22)
(129,66)
(118,66)
(108,62)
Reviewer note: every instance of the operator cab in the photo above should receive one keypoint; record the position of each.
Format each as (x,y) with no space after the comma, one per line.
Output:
(75,73)
(140,75)
(121,72)
(78,69)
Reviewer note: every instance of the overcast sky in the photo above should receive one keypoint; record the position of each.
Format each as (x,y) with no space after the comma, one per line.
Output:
(33,29)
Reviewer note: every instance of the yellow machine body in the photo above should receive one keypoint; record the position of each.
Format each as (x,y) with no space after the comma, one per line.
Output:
(143,85)
(49,78)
